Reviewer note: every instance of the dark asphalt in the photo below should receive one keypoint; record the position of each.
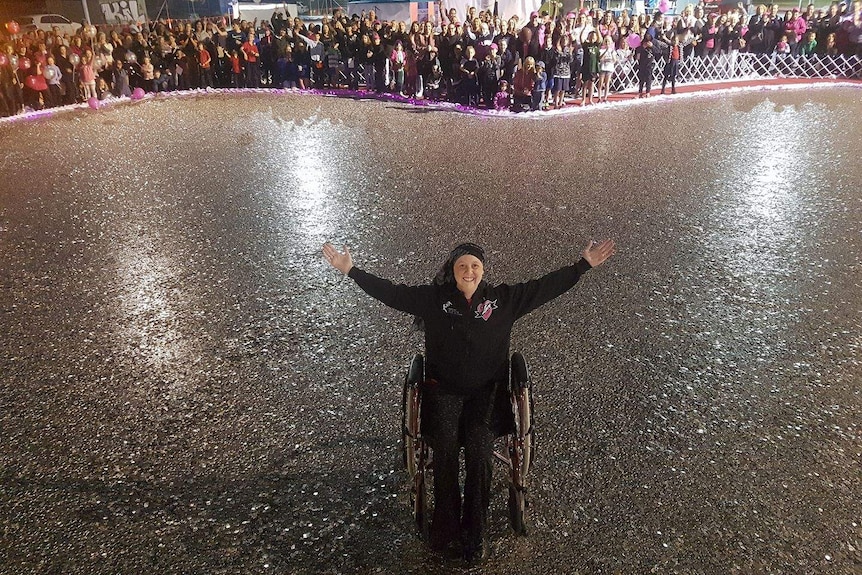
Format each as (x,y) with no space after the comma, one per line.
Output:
(187,387)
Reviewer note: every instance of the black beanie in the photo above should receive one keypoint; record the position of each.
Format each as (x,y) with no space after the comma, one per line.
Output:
(446,273)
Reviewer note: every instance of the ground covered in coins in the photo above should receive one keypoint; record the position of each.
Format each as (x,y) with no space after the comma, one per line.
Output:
(187,387)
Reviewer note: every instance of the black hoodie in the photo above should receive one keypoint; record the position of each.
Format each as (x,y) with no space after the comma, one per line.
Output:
(467,345)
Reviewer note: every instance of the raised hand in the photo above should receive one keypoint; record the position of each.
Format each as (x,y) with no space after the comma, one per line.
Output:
(340,261)
(597,253)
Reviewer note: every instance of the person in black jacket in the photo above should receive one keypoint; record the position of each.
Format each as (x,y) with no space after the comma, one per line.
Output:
(378,61)
(467,323)
(645,56)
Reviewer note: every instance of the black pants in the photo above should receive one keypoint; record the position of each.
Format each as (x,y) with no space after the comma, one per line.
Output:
(471,418)
(644,80)
(671,69)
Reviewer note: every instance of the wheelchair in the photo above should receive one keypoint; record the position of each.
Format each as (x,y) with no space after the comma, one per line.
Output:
(516,452)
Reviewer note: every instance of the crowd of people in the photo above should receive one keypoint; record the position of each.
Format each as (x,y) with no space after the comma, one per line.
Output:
(477,58)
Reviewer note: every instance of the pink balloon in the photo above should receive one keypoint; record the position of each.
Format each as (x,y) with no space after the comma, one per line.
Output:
(30,82)
(663,6)
(13,27)
(93,103)
(3,60)
(138,94)
(633,40)
(23,63)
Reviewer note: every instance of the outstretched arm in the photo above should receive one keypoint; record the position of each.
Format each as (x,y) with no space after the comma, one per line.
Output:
(416,300)
(530,295)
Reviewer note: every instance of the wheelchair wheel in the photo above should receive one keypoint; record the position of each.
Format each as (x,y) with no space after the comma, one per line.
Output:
(421,504)
(518,510)
(520,443)
(415,450)
(410,415)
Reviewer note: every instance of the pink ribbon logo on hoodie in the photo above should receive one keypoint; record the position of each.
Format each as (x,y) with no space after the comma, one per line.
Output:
(485,309)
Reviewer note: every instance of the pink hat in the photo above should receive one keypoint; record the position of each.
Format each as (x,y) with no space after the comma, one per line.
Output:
(493,46)
(534,14)
(570,15)
(583,11)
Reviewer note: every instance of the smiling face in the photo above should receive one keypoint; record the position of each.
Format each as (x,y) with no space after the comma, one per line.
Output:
(468,271)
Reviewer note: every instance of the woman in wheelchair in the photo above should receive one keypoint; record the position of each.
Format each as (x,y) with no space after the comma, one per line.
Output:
(468,324)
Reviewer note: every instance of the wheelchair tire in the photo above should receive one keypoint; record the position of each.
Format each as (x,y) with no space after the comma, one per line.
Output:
(520,443)
(518,510)
(410,414)
(422,508)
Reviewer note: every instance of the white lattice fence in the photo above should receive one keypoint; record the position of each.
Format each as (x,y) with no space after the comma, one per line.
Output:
(743,66)
(726,67)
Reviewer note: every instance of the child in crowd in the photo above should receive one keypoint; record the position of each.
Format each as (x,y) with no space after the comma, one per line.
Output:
(541,83)
(293,75)
(524,80)
(236,77)
(490,73)
(470,78)
(181,67)
(671,69)
(87,73)
(645,56)
(205,60)
(36,94)
(502,99)
(148,74)
(334,65)
(783,47)
(607,65)
(809,46)
(547,56)
(410,74)
(103,90)
(120,80)
(590,66)
(397,61)
(161,81)
(562,59)
(54,77)
(431,72)
(831,48)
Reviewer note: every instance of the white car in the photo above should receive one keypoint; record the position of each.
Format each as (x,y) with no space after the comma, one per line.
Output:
(47,22)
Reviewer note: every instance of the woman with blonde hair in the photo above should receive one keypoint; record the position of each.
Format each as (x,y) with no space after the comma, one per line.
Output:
(523,83)
(607,65)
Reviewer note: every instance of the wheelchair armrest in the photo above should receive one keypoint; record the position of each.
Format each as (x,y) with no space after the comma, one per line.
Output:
(519,373)
(416,373)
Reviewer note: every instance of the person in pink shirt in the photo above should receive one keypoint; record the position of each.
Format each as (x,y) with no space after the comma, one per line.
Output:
(795,28)
(148,74)
(87,75)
